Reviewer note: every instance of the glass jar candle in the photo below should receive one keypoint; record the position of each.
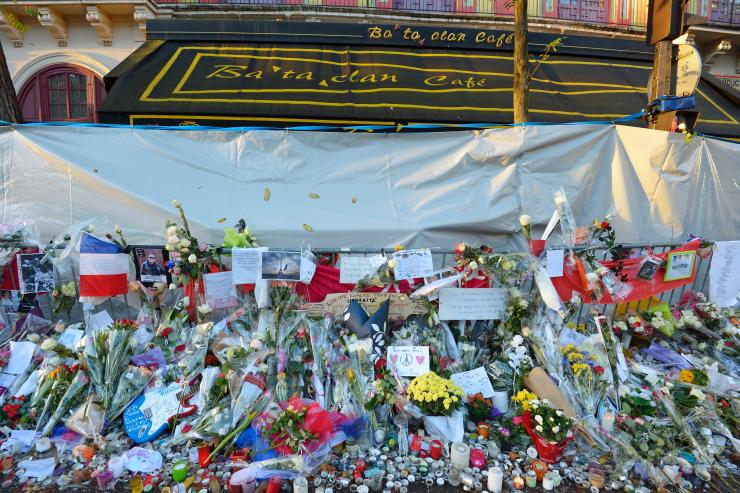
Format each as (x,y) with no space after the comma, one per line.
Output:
(531,479)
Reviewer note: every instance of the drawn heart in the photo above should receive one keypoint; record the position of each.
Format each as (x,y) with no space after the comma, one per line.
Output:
(420,359)
(394,357)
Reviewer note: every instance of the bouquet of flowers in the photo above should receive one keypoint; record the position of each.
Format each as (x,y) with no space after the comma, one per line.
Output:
(384,389)
(440,401)
(14,410)
(549,428)
(63,298)
(51,345)
(106,356)
(518,312)
(68,400)
(479,408)
(636,402)
(586,377)
(130,384)
(250,412)
(434,395)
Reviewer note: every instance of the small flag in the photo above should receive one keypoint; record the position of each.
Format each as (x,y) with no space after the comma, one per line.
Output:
(104,267)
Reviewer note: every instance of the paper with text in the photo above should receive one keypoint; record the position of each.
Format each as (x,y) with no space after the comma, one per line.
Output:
(472,303)
(555,261)
(246,265)
(220,290)
(411,264)
(408,361)
(724,273)
(352,269)
(474,382)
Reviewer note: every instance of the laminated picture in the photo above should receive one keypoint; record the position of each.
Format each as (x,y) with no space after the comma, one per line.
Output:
(150,265)
(35,273)
(280,265)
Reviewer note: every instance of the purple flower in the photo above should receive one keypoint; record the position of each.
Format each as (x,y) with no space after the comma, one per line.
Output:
(495,413)
(504,431)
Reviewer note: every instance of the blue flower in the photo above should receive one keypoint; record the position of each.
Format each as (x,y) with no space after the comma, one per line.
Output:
(495,413)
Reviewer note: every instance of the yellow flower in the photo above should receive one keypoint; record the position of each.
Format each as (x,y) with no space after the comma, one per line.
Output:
(686,376)
(453,398)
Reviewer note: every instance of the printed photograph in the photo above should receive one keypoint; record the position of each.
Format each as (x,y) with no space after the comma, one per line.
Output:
(281,266)
(35,273)
(680,265)
(150,265)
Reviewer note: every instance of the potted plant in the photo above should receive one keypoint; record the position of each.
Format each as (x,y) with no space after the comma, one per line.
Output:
(549,428)
(440,401)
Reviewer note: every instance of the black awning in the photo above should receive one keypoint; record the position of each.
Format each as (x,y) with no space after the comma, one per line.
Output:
(231,83)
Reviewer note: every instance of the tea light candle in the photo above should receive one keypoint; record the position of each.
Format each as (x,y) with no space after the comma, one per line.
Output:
(460,455)
(607,421)
(300,485)
(495,479)
(483,430)
(531,479)
(435,449)
(540,468)
(547,482)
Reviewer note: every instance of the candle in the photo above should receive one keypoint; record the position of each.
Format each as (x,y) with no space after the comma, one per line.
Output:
(460,455)
(483,430)
(300,485)
(495,479)
(477,458)
(518,482)
(105,479)
(435,449)
(274,485)
(540,468)
(531,479)
(607,421)
(415,444)
(547,482)
(179,471)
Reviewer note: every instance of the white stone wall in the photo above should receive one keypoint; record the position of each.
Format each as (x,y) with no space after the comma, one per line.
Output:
(84,48)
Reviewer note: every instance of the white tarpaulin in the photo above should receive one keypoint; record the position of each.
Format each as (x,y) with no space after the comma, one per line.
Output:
(414,189)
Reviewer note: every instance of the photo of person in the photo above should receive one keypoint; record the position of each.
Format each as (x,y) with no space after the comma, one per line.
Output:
(680,265)
(11,299)
(150,264)
(281,266)
(35,273)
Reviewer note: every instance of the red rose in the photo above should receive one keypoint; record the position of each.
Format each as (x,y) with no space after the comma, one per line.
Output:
(21,398)
(599,369)
(604,225)
(486,249)
(167,331)
(378,376)
(179,348)
(460,247)
(380,363)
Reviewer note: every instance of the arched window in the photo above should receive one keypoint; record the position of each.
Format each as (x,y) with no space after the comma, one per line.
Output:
(62,93)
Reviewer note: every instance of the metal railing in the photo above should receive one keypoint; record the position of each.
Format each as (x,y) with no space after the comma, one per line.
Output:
(122,306)
(613,13)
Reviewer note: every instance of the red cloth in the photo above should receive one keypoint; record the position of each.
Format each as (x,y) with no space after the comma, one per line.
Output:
(326,281)
(641,289)
(10,279)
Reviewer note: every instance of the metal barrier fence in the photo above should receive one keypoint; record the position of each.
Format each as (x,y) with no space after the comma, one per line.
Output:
(614,13)
(121,306)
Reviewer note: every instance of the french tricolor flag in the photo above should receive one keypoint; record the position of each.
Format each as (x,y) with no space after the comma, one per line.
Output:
(104,267)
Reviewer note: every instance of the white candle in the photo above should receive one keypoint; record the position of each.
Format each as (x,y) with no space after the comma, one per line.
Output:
(495,479)
(300,485)
(607,421)
(547,483)
(460,455)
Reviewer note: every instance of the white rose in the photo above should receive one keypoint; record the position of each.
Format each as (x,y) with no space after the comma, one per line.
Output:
(169,247)
(555,429)
(256,344)
(185,243)
(117,229)
(205,308)
(172,231)
(526,332)
(538,418)
(592,277)
(525,220)
(173,286)
(175,203)
(538,428)
(184,250)
(474,265)
(523,303)
(33,337)
(90,228)
(173,239)
(192,258)
(186,301)
(698,394)
(48,344)
(392,263)
(559,412)
(516,340)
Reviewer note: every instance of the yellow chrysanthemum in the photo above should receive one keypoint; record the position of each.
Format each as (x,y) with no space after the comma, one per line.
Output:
(686,376)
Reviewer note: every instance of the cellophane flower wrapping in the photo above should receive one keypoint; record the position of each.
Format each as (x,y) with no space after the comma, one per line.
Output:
(69,399)
(130,385)
(318,424)
(449,428)
(193,358)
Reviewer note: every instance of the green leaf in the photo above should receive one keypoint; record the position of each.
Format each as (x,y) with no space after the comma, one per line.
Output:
(307,228)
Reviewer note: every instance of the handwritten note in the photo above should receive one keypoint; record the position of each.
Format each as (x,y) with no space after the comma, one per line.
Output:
(724,273)
(100,321)
(411,264)
(555,261)
(70,338)
(220,291)
(472,304)
(246,265)
(20,356)
(308,267)
(408,361)
(474,382)
(353,269)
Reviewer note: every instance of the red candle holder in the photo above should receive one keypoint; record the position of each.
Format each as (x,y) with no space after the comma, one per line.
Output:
(435,449)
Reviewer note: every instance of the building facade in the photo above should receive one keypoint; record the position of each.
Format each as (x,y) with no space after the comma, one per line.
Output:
(58,51)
